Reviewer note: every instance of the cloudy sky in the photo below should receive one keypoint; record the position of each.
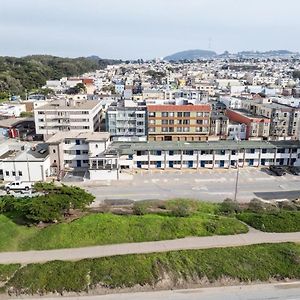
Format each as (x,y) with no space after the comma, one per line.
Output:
(131,29)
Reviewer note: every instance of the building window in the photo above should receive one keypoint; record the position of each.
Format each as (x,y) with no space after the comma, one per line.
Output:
(7,173)
(77,142)
(179,114)
(20,173)
(13,173)
(164,114)
(186,114)
(54,151)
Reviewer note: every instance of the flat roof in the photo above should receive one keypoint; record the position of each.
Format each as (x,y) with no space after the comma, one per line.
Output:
(62,104)
(248,114)
(36,153)
(11,122)
(124,148)
(89,136)
(171,108)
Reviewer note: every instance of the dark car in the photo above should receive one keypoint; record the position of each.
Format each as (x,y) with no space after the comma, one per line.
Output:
(294,170)
(277,170)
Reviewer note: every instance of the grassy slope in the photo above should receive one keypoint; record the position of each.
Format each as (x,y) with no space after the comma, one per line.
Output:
(11,235)
(249,263)
(99,229)
(284,221)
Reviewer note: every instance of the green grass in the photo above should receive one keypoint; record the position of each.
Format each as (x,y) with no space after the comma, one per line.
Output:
(283,221)
(7,271)
(12,235)
(245,264)
(101,229)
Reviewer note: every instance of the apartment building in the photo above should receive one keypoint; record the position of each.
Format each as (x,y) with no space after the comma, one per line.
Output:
(178,122)
(256,126)
(213,154)
(218,125)
(67,115)
(285,120)
(72,151)
(126,119)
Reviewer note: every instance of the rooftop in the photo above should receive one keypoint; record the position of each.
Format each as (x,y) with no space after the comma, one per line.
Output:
(69,104)
(89,136)
(249,114)
(35,153)
(202,107)
(131,148)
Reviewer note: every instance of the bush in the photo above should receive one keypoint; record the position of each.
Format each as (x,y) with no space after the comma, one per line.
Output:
(139,208)
(228,206)
(49,207)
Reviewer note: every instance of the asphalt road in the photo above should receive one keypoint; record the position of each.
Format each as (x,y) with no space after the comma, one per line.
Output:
(207,242)
(209,185)
(281,291)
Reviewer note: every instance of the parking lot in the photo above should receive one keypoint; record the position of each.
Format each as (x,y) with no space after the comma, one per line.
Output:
(209,185)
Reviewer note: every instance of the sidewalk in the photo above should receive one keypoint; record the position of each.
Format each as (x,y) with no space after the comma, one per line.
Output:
(74,254)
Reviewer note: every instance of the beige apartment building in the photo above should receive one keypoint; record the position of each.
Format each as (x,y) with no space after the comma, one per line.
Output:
(178,122)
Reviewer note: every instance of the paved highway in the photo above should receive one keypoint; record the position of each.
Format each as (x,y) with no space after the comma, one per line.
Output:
(281,291)
(210,185)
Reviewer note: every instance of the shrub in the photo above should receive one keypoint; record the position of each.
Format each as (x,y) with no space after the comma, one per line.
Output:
(139,208)
(228,206)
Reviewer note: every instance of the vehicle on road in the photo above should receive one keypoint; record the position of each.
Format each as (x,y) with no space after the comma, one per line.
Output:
(18,186)
(277,170)
(294,170)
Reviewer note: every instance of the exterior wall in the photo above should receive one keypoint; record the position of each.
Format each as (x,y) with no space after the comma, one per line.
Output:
(178,122)
(256,127)
(31,171)
(178,159)
(126,122)
(52,121)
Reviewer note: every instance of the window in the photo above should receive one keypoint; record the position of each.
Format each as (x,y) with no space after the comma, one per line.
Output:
(67,142)
(171,114)
(151,114)
(13,173)
(20,173)
(264,151)
(164,122)
(54,151)
(164,114)
(199,114)
(77,152)
(179,114)
(7,173)
(186,122)
(186,114)
(200,122)
(77,142)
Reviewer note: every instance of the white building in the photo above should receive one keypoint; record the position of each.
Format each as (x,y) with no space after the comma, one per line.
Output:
(67,115)
(24,162)
(232,102)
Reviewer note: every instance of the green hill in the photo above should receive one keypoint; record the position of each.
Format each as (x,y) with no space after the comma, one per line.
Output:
(31,72)
(191,55)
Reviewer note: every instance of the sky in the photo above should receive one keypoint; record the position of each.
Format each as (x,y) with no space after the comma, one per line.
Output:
(131,29)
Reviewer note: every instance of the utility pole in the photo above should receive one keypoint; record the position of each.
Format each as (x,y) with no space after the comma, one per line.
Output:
(237,179)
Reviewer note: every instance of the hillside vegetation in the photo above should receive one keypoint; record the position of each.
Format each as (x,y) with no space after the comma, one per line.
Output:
(31,72)
(158,270)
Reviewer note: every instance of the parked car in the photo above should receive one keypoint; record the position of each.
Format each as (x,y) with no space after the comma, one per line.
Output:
(18,186)
(294,170)
(277,170)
